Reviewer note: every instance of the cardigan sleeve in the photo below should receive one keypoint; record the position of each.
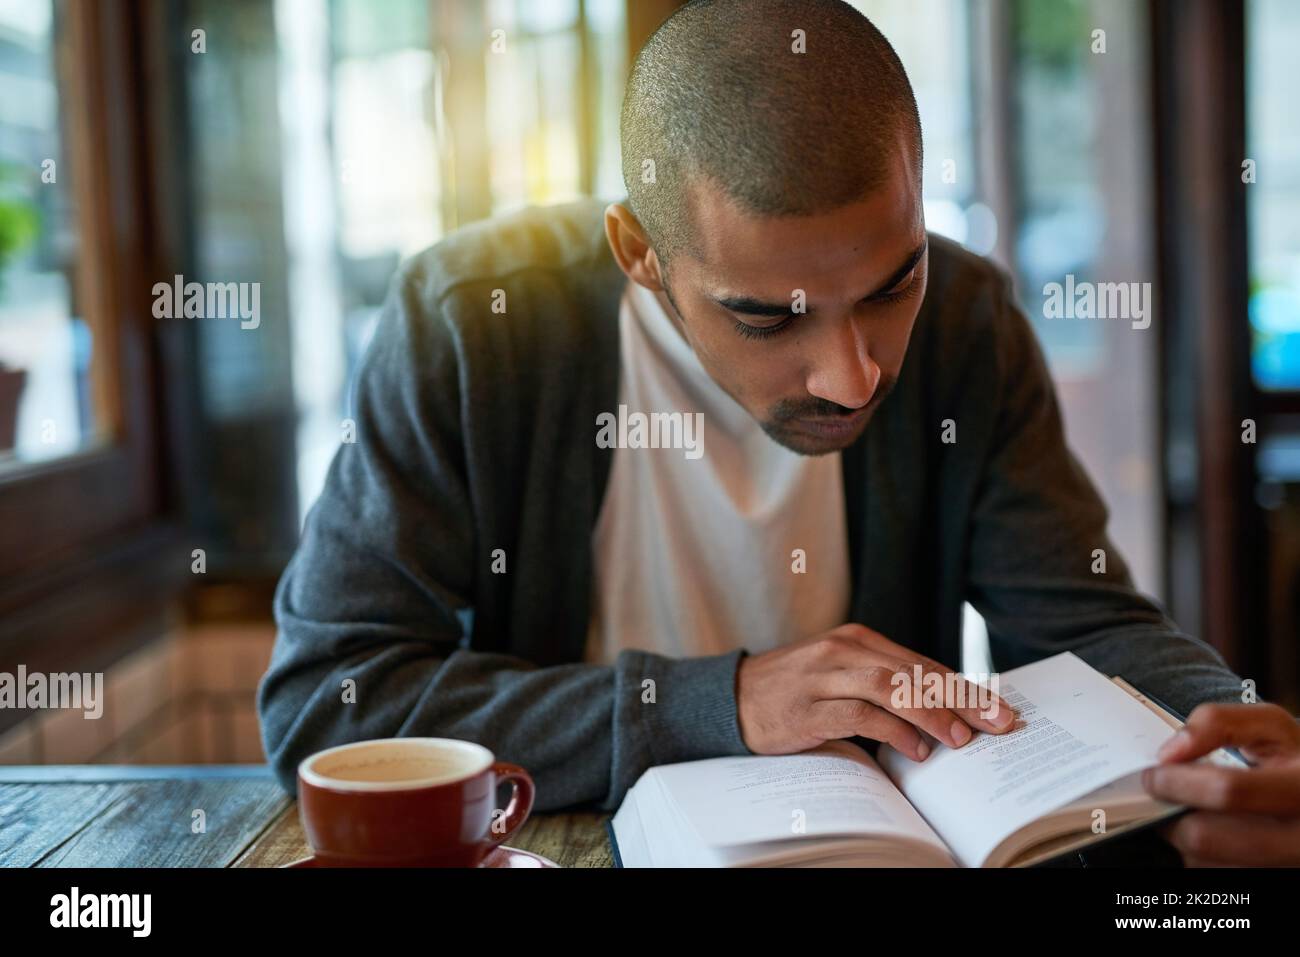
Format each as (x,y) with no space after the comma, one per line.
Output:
(375,610)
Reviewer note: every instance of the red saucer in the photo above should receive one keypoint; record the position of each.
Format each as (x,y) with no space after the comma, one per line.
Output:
(498,857)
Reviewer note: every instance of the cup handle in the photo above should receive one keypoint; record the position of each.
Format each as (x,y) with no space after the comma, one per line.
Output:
(521,801)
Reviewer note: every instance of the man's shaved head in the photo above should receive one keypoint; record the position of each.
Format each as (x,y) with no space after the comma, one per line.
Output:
(783,228)
(719,99)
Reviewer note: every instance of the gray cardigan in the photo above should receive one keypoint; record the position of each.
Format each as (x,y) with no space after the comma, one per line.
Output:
(476,432)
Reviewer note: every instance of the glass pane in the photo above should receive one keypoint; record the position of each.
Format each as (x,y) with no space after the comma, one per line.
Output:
(386,151)
(932,38)
(242,372)
(46,407)
(1062,213)
(533,97)
(1273,143)
(607,43)
(396,121)
(1082,177)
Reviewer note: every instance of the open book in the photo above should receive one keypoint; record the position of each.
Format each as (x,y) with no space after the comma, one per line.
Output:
(1067,775)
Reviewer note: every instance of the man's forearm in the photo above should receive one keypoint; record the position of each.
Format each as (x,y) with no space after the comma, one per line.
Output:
(585,732)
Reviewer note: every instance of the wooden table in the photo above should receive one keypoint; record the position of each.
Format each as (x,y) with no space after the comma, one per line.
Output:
(136,816)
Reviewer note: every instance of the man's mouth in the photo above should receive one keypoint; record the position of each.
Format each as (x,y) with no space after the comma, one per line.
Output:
(834,426)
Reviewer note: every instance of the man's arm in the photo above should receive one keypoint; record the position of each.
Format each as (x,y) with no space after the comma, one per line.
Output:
(1036,523)
(380,594)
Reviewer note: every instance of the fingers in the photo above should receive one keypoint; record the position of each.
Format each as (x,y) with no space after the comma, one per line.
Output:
(991,712)
(1207,838)
(986,711)
(1261,728)
(1214,788)
(959,699)
(890,686)
(850,716)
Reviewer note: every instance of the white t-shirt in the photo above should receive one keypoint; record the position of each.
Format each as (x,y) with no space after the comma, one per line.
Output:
(697,556)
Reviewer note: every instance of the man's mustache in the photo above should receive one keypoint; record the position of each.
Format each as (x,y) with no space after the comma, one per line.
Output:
(812,406)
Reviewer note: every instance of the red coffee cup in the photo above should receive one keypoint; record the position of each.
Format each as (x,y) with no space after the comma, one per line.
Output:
(408,802)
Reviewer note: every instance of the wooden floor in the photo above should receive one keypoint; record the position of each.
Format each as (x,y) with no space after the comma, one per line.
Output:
(200,816)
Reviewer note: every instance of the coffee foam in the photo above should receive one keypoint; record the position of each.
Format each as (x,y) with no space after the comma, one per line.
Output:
(400,763)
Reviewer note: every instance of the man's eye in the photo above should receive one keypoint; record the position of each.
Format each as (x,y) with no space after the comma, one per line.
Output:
(900,291)
(762,332)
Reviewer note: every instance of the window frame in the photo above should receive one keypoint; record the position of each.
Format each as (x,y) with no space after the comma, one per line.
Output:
(91,549)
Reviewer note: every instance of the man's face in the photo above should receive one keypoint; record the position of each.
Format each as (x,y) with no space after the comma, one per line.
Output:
(811,378)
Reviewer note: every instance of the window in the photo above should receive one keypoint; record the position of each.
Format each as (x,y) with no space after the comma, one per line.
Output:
(379,128)
(555,73)
(1273,197)
(47,404)
(82,506)
(1061,206)
(1082,197)
(933,38)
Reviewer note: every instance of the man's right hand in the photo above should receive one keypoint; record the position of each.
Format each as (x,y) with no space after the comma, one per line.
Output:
(842,683)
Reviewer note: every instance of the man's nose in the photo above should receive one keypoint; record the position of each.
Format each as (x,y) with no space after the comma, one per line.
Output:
(843,371)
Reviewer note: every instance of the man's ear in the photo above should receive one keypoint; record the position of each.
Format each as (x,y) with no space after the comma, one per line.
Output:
(631,248)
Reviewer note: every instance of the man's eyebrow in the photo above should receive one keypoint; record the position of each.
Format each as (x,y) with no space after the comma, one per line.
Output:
(901,273)
(750,306)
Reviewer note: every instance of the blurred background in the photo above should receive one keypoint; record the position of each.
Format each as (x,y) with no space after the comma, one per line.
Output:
(154,473)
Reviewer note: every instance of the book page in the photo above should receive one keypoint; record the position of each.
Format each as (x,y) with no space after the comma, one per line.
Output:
(835,789)
(1076,731)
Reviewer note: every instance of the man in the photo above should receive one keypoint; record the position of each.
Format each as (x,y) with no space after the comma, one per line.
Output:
(879,443)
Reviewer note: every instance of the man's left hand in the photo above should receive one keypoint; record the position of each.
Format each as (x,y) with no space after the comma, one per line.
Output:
(1239,816)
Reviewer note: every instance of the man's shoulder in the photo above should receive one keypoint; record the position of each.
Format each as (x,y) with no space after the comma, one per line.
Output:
(511,309)
(970,307)
(971,337)
(564,243)
(959,278)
